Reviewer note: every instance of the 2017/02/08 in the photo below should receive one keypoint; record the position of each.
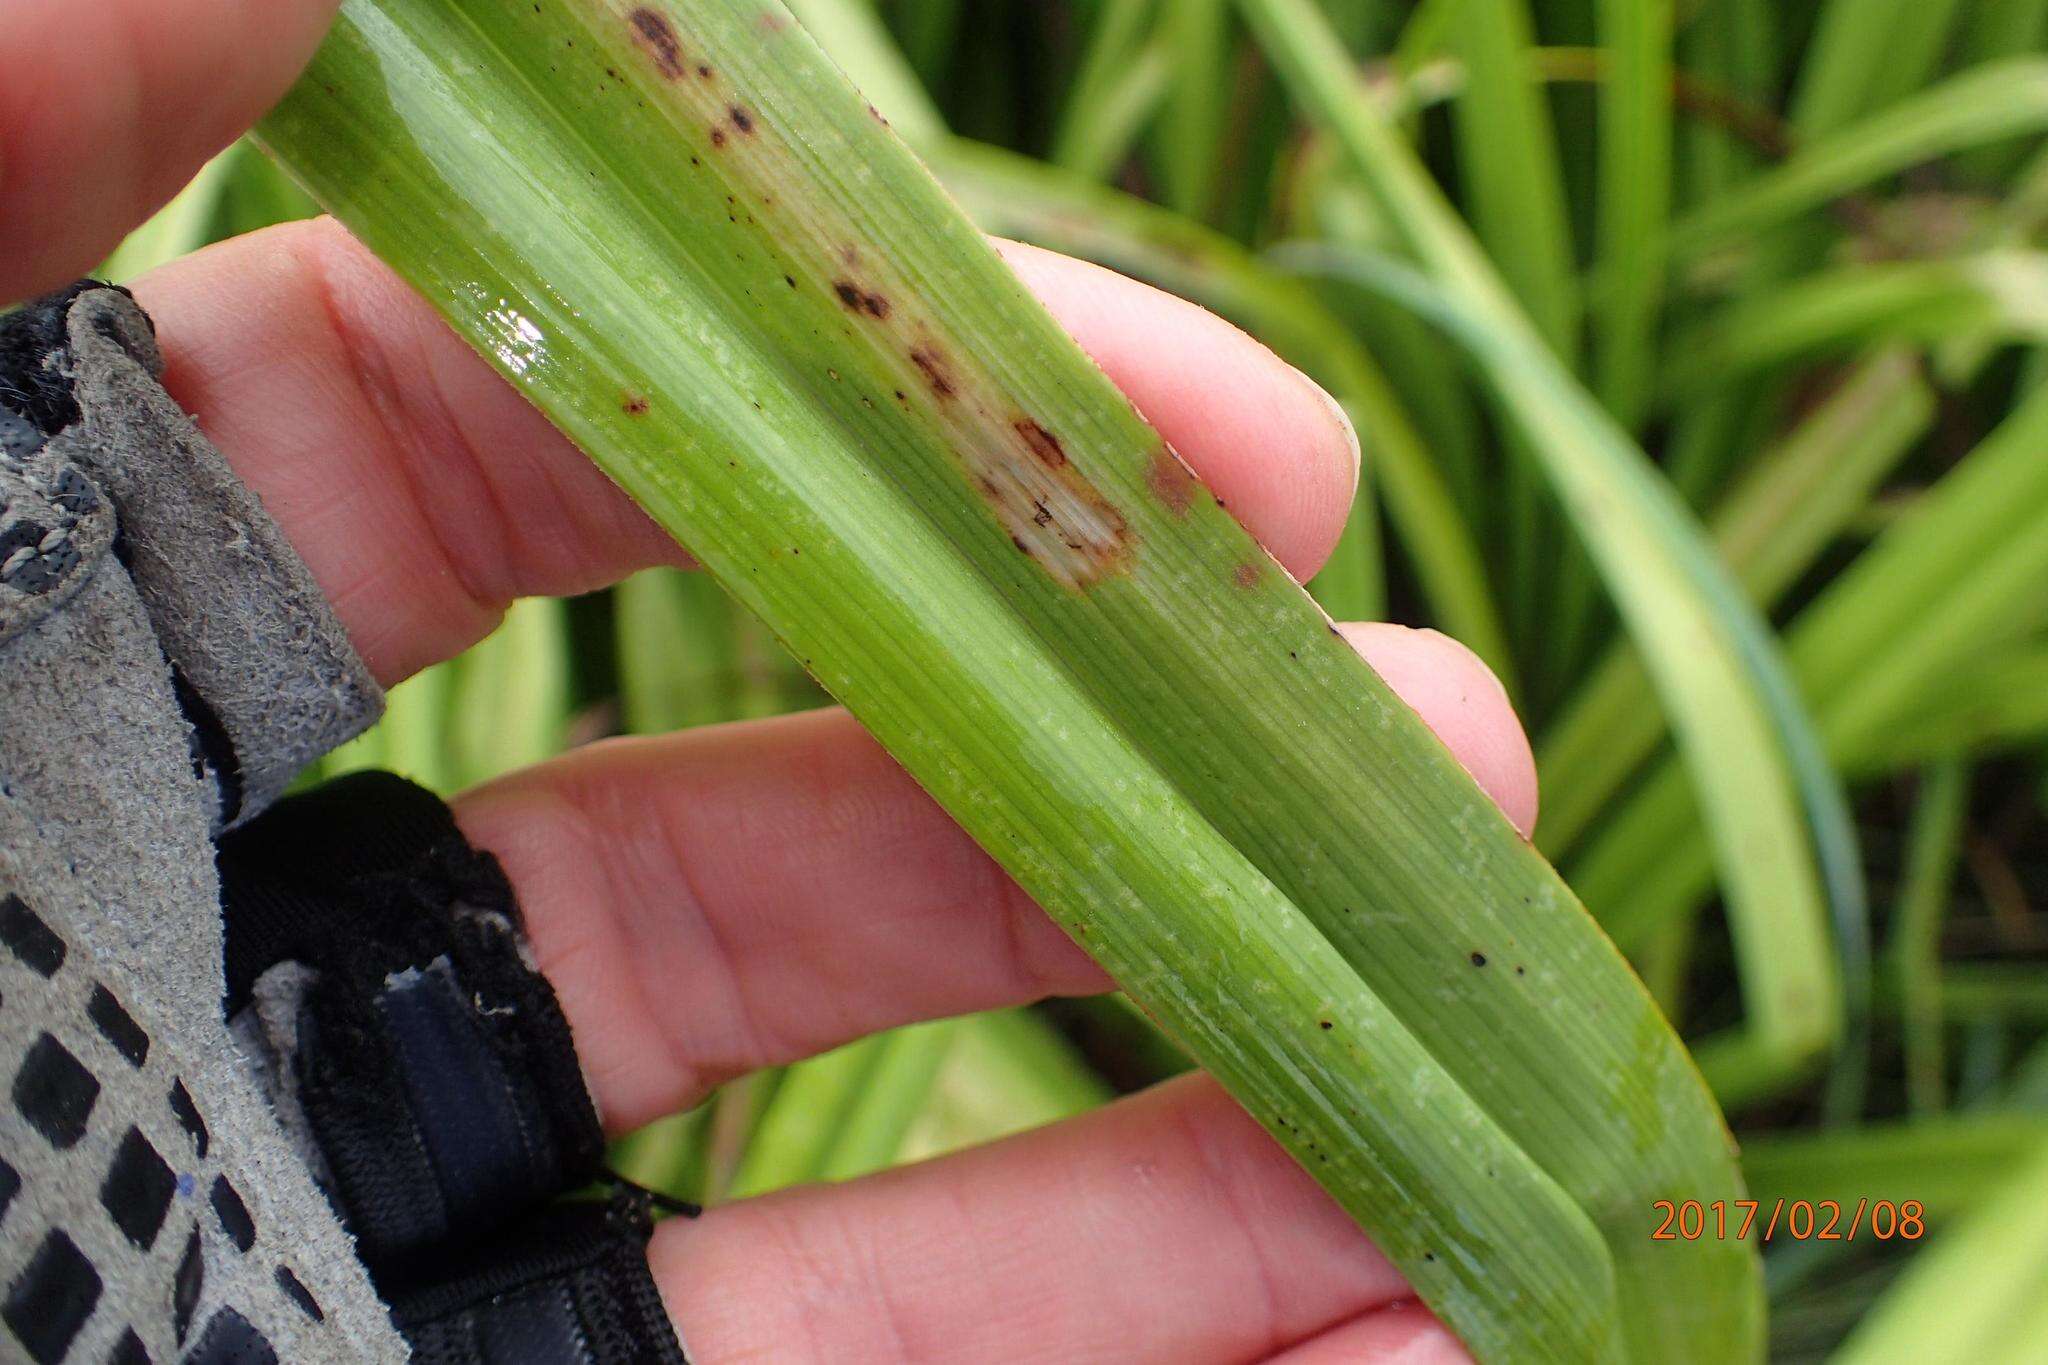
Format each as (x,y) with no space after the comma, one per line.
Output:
(1800,1219)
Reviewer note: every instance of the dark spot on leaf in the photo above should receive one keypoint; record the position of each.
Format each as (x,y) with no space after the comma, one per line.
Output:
(1327,1025)
(703,72)
(653,32)
(634,405)
(934,371)
(1521,970)
(717,136)
(1171,480)
(1043,443)
(860,300)
(1478,959)
(741,119)
(1246,575)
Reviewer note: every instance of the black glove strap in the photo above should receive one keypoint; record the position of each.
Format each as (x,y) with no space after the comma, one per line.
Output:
(438,1080)
(431,1062)
(569,1287)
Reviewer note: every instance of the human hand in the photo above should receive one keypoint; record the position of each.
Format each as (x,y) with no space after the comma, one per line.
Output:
(741,896)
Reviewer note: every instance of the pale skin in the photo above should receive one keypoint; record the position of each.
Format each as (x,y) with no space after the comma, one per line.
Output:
(752,894)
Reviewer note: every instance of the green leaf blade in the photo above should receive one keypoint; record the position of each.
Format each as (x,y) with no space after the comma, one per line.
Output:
(689,242)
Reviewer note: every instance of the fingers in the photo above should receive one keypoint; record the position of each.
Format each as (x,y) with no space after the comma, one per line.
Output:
(107,108)
(1399,1334)
(745,895)
(1166,1227)
(421,490)
(407,473)
(1456,693)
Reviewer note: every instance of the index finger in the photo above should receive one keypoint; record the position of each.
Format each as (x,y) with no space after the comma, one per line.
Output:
(107,108)
(406,472)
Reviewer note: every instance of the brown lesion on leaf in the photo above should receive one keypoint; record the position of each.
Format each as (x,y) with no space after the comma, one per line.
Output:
(933,366)
(1247,574)
(859,300)
(1170,480)
(1043,443)
(742,121)
(1052,514)
(634,405)
(1022,470)
(718,135)
(657,36)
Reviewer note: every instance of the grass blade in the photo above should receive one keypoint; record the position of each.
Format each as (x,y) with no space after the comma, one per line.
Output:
(1107,61)
(1949,1164)
(1797,499)
(508,704)
(1635,199)
(1189,139)
(1126,703)
(1913,956)
(812,1105)
(1984,298)
(1508,159)
(894,1094)
(1507,151)
(1967,571)
(1865,54)
(2000,100)
(1005,1071)
(1993,704)
(1975,1292)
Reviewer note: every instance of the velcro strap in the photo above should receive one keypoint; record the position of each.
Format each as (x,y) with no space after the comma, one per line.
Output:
(570,1286)
(425,1060)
